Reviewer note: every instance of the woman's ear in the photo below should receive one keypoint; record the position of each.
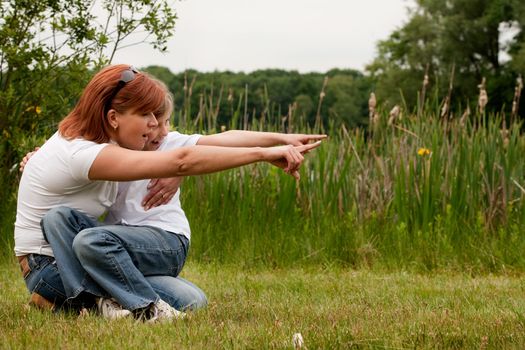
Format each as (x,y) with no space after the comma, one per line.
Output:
(112,119)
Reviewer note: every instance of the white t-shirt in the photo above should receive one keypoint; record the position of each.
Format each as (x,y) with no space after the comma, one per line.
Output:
(57,175)
(128,209)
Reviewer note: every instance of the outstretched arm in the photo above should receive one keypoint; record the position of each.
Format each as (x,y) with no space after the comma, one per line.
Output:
(161,191)
(118,164)
(242,138)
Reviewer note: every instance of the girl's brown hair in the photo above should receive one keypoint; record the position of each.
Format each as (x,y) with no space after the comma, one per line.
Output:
(143,94)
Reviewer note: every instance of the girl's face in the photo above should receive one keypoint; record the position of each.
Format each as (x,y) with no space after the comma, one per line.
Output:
(134,129)
(158,134)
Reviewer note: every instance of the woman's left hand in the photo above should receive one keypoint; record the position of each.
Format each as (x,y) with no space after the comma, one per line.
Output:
(161,191)
(26,159)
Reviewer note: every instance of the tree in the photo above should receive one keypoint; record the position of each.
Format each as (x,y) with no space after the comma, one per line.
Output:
(48,50)
(440,37)
(346,98)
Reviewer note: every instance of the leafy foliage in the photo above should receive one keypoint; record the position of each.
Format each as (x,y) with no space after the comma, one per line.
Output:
(47,51)
(270,94)
(460,38)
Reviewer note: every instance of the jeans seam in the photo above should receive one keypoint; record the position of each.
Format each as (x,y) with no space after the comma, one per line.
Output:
(115,265)
(42,283)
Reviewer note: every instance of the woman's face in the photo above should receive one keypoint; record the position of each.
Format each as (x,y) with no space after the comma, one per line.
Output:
(134,129)
(158,134)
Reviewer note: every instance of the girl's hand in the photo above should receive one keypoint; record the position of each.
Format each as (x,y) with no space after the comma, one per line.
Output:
(289,158)
(161,191)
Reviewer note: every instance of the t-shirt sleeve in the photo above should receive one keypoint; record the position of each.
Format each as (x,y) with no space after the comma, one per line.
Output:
(176,139)
(82,157)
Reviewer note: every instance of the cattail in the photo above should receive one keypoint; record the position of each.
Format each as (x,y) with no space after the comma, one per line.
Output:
(505,135)
(375,120)
(423,92)
(291,110)
(190,90)
(483,97)
(323,94)
(321,97)
(517,94)
(425,81)
(464,117)
(394,115)
(372,102)
(445,107)
(373,115)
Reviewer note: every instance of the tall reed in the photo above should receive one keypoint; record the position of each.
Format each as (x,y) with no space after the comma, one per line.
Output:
(415,191)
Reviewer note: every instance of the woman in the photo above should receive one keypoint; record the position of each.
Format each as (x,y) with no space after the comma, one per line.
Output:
(95,146)
(128,210)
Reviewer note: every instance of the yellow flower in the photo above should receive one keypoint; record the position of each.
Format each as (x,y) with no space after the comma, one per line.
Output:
(223,128)
(423,152)
(37,109)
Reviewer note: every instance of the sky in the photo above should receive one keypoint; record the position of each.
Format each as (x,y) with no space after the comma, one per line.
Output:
(246,35)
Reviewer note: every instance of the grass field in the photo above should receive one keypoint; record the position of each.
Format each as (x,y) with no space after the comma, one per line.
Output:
(408,235)
(331,307)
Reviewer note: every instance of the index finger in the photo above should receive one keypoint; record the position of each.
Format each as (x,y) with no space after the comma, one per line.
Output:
(308,147)
(316,137)
(309,138)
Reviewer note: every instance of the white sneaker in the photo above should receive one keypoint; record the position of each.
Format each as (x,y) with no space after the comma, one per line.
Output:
(162,311)
(109,308)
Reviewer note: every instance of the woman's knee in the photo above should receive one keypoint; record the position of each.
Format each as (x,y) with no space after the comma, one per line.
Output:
(193,297)
(178,292)
(200,301)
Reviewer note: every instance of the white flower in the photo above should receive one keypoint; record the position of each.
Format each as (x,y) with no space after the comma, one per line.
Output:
(297,340)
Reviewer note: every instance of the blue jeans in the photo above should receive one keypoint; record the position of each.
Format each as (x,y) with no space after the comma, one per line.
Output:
(136,265)
(44,279)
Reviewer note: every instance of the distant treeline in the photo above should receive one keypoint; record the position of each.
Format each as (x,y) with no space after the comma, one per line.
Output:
(337,96)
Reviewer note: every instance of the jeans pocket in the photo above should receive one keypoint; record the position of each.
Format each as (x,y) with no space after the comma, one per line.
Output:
(48,291)
(36,263)
(44,278)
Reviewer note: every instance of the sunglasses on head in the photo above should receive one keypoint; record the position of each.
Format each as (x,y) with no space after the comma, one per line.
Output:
(126,76)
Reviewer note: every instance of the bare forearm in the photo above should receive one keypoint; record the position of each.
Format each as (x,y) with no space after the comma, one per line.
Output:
(117,164)
(242,138)
(208,159)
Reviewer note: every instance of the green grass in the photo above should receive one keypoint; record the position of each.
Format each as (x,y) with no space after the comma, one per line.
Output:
(260,308)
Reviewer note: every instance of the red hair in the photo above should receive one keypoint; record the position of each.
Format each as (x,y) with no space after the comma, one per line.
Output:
(144,94)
